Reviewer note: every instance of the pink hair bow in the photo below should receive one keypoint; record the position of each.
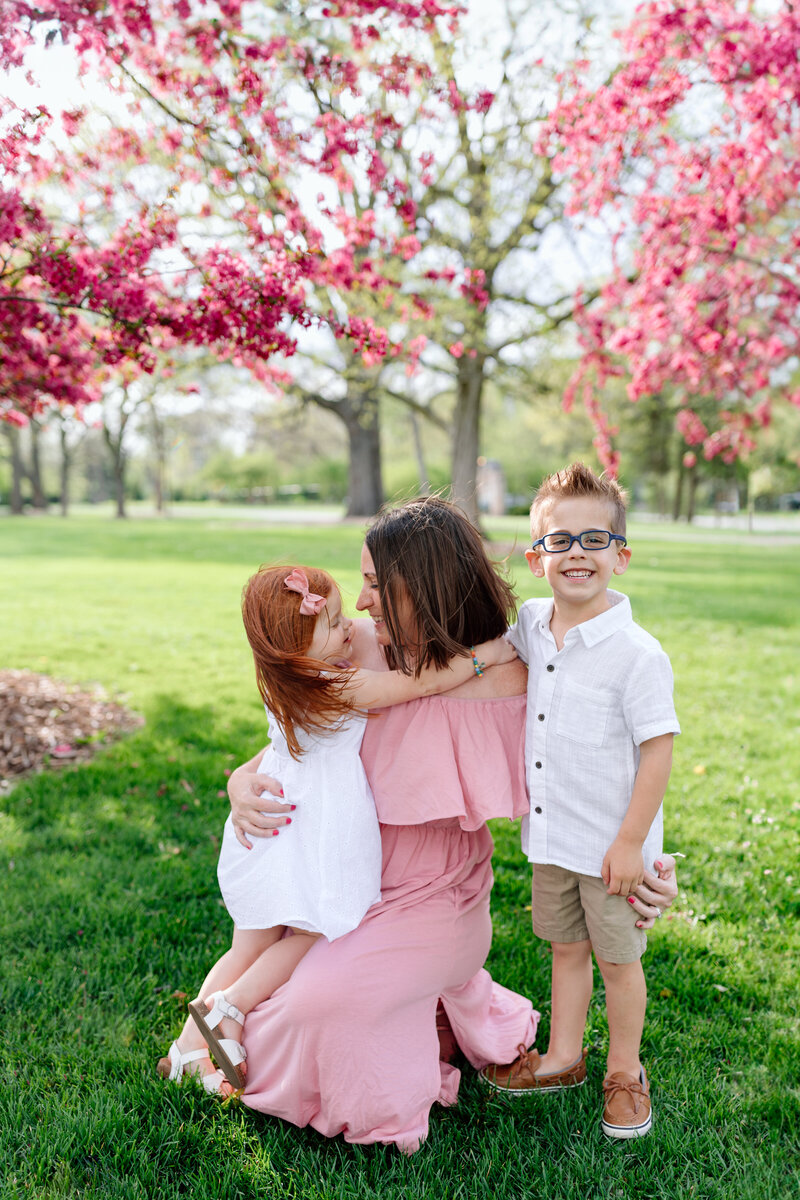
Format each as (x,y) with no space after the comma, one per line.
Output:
(311,604)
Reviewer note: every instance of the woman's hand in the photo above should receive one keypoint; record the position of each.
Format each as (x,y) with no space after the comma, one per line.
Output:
(655,893)
(257,809)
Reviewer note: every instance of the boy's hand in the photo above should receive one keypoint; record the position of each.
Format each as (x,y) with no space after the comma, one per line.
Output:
(623,868)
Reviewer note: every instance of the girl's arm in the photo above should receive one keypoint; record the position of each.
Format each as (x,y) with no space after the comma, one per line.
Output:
(379,689)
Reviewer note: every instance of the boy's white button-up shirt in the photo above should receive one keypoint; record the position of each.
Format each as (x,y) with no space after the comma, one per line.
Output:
(590,706)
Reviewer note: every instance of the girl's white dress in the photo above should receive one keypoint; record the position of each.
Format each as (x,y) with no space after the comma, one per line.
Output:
(323,871)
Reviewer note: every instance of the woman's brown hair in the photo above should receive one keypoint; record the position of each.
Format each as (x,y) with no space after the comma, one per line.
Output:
(301,693)
(429,556)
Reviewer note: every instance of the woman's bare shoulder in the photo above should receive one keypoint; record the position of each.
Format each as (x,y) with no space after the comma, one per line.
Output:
(510,679)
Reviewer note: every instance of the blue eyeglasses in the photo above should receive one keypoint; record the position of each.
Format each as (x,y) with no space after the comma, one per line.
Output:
(590,539)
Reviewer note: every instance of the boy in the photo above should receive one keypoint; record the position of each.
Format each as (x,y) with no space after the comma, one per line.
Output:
(598,752)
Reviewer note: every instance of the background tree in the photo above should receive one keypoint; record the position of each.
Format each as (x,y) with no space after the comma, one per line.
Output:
(226,83)
(495,265)
(691,152)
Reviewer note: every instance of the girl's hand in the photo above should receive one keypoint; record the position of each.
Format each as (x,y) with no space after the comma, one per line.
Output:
(257,809)
(494,653)
(656,892)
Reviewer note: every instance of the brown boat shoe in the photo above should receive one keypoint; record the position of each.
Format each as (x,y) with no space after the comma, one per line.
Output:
(519,1078)
(627,1112)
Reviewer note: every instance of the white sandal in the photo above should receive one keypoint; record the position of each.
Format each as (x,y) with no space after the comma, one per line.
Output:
(174,1067)
(228,1053)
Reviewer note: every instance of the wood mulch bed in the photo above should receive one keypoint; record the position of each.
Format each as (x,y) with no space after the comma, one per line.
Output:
(47,723)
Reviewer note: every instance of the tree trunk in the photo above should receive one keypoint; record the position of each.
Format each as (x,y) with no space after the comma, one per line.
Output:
(365,473)
(15,501)
(38,495)
(119,485)
(159,468)
(66,463)
(690,503)
(359,411)
(158,484)
(677,502)
(422,470)
(118,462)
(466,435)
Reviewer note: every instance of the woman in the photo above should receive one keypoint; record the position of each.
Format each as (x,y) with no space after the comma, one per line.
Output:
(349,1044)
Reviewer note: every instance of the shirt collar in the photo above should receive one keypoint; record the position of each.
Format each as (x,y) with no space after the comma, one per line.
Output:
(618,616)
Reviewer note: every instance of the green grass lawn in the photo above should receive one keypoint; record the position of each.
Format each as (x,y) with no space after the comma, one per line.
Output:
(112,913)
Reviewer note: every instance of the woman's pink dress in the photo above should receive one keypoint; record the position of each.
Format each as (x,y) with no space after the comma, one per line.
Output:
(349,1043)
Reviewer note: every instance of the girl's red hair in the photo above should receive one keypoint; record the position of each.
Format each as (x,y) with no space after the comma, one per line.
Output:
(302,693)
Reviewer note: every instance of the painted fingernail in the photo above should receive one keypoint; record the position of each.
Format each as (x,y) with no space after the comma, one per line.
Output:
(639,924)
(660,866)
(275,833)
(631,900)
(292,807)
(281,791)
(288,822)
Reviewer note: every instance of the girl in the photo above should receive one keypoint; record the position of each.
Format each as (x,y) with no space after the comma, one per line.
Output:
(322,884)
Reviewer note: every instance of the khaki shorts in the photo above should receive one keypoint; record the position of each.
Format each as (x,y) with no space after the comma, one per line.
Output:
(568,907)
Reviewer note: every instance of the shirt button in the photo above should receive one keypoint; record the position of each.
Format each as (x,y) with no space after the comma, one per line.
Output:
(541,716)
(550,667)
(537,809)
(538,766)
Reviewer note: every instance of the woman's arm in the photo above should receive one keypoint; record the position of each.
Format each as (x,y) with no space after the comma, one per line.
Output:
(378,689)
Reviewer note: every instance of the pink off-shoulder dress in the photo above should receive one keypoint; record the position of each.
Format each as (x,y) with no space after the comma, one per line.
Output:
(349,1045)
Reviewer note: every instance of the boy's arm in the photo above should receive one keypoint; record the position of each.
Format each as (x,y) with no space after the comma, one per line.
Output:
(518,634)
(623,868)
(379,689)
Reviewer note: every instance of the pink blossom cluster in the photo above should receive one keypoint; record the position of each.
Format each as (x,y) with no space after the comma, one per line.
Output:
(86,291)
(704,296)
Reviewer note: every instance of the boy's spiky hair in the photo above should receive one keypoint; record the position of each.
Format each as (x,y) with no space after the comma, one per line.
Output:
(579,480)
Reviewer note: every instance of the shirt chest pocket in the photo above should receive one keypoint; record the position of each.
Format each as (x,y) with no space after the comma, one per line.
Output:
(583,714)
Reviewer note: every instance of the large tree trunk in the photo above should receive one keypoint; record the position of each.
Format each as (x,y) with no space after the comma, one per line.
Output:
(466,435)
(365,473)
(15,501)
(360,413)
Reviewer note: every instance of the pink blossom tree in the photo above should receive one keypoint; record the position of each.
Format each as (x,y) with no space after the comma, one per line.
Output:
(222,78)
(691,153)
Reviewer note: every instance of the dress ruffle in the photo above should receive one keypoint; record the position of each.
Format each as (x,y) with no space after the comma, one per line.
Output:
(473,767)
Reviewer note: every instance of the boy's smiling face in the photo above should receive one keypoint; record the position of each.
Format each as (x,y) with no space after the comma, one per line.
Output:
(578,578)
